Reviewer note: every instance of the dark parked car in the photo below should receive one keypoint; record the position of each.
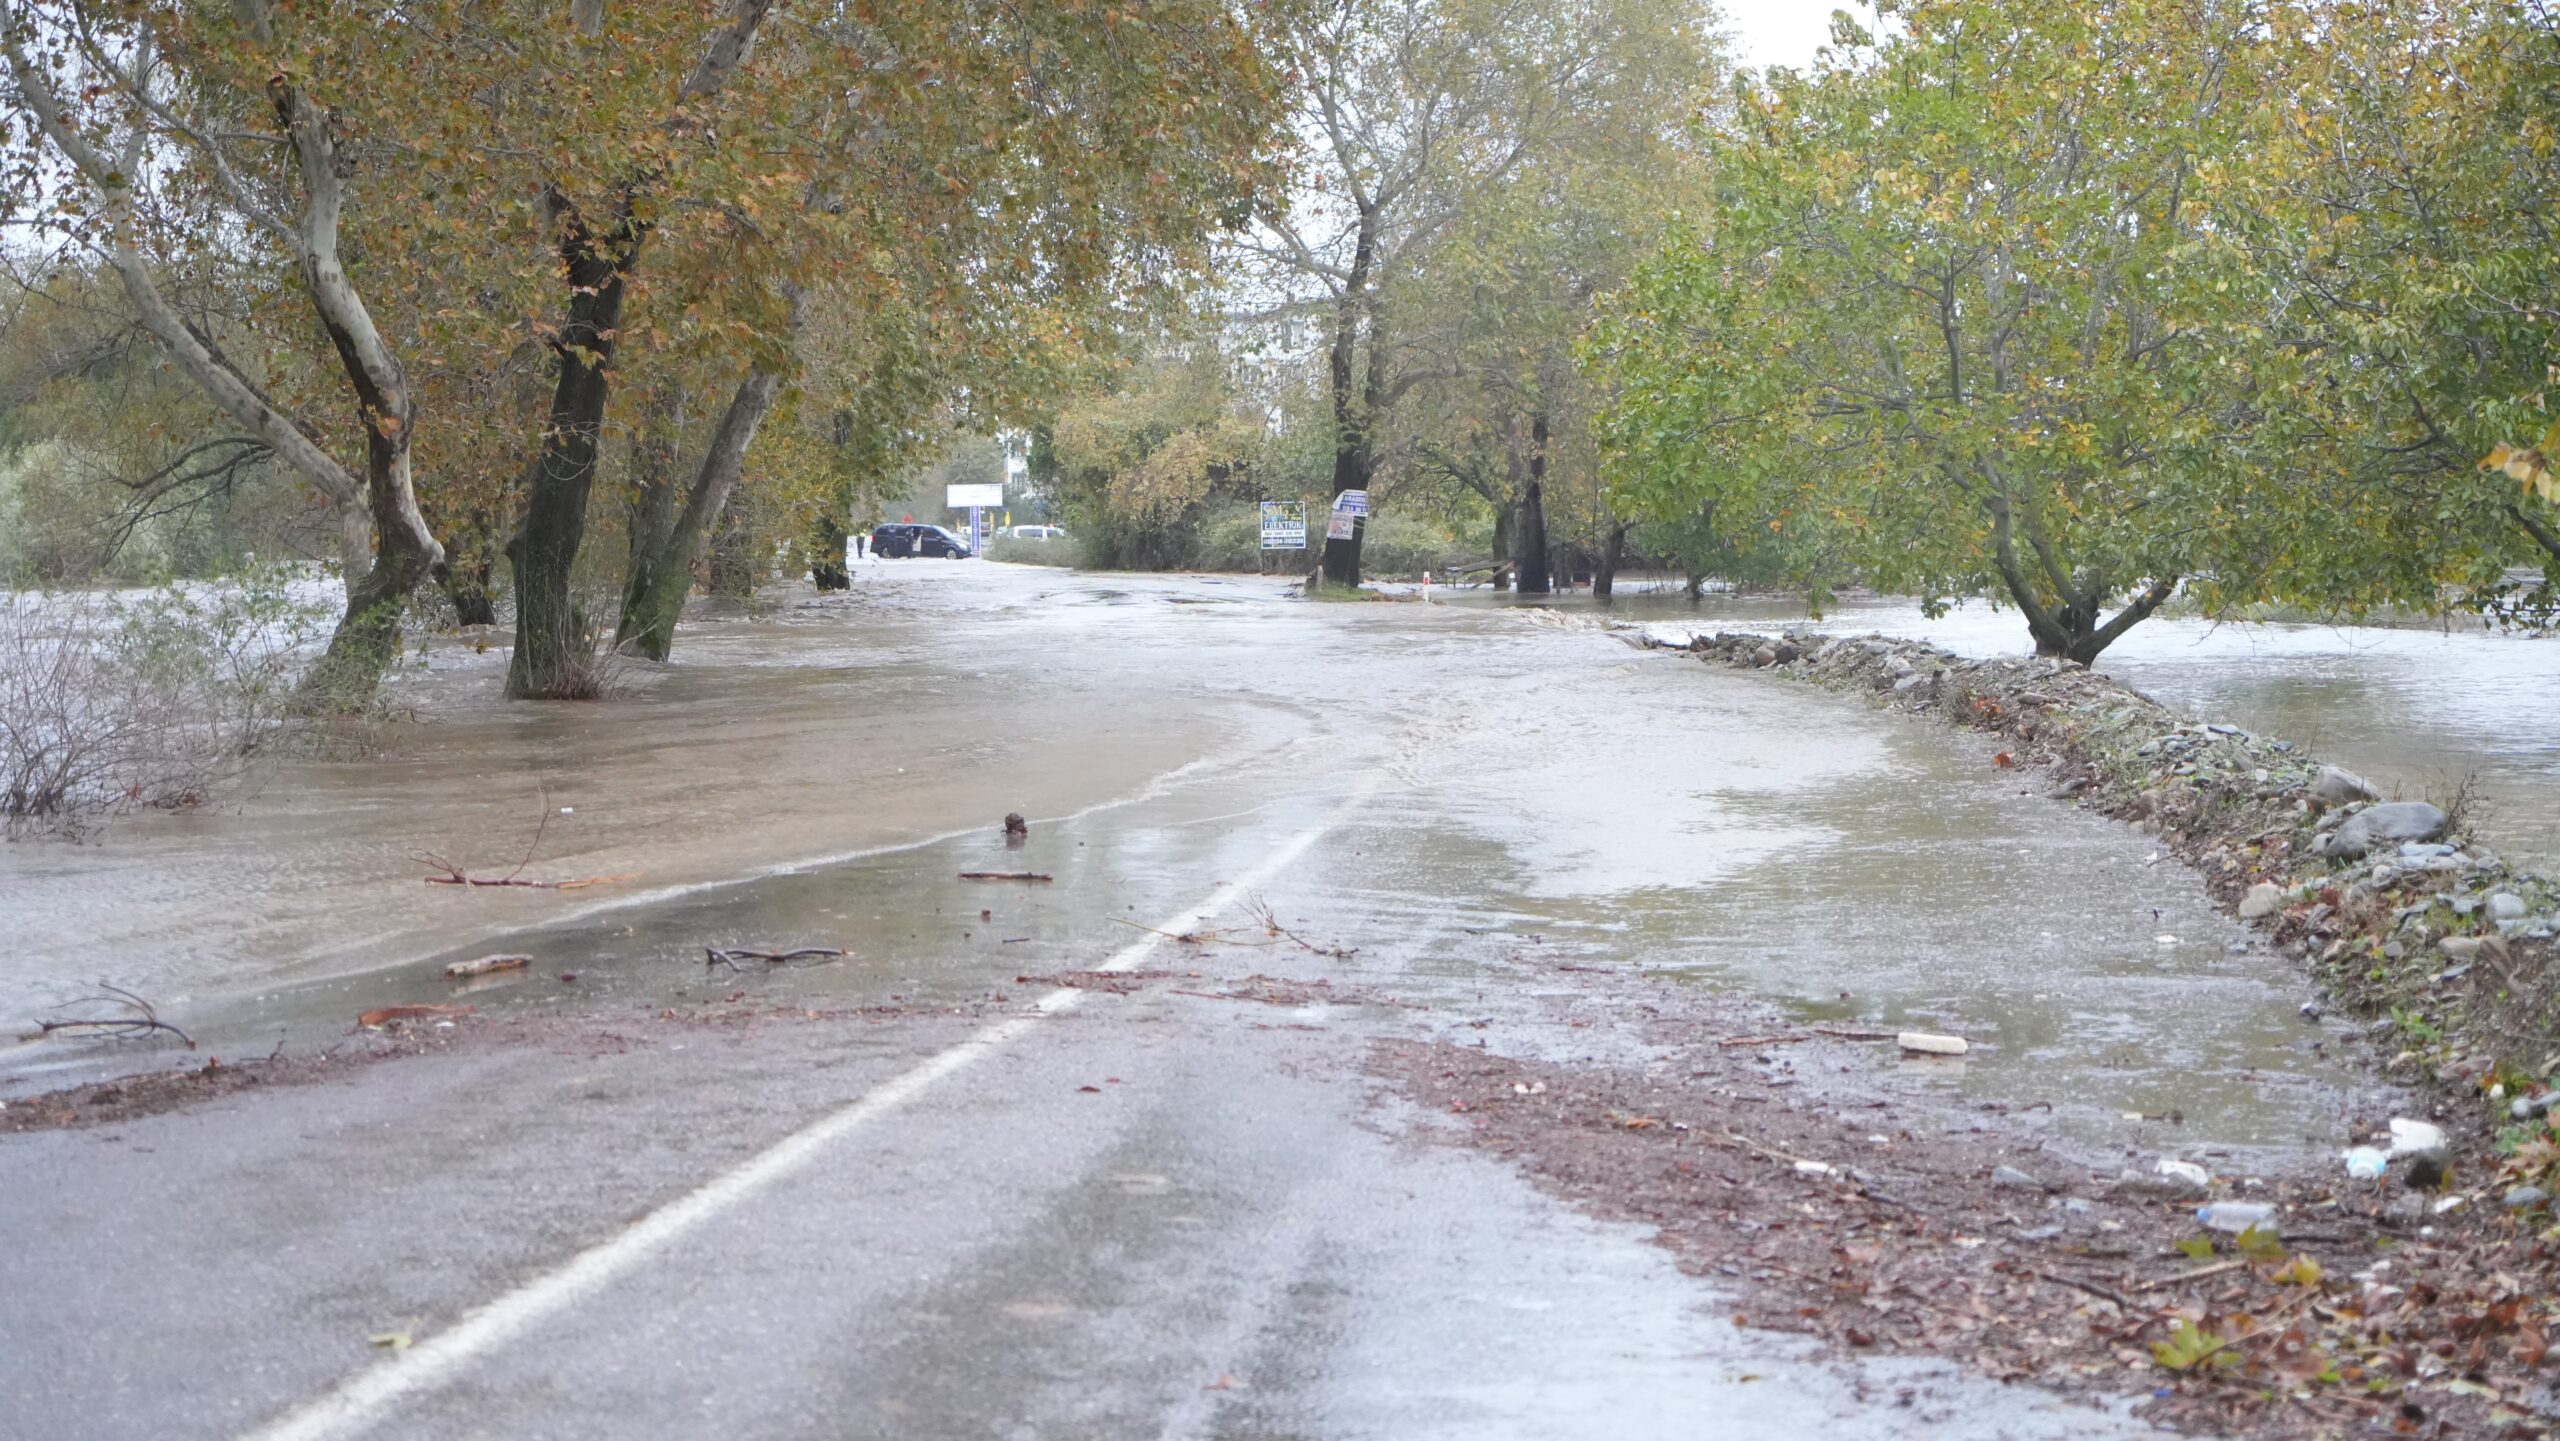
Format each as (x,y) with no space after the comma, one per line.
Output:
(890,542)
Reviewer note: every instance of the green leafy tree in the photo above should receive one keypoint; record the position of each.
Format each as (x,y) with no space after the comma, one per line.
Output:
(2398,222)
(1950,307)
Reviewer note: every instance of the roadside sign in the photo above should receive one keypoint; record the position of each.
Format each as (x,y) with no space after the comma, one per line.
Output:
(1284,525)
(1352,502)
(1342,525)
(961,497)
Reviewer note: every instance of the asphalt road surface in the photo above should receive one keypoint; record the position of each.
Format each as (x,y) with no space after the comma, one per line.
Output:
(926,1192)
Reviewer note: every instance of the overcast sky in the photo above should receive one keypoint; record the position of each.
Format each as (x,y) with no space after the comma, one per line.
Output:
(1780,32)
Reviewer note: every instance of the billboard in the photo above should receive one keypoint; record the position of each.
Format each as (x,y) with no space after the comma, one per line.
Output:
(1284,525)
(961,497)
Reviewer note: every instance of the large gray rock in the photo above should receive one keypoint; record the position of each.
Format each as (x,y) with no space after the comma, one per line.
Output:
(2385,825)
(2262,900)
(2335,787)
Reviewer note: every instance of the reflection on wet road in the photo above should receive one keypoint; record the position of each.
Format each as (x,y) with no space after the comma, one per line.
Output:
(1629,808)
(1126,1210)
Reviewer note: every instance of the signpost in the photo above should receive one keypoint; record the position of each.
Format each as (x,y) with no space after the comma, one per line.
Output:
(1348,507)
(1284,525)
(977,497)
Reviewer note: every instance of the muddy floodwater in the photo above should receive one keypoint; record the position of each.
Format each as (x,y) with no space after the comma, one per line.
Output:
(820,772)
(2419,711)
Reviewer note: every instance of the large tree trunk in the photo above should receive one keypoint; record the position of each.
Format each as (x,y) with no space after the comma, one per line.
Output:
(827,567)
(654,596)
(1505,517)
(349,673)
(554,657)
(1352,420)
(1529,553)
(384,542)
(2065,618)
(1613,549)
(467,585)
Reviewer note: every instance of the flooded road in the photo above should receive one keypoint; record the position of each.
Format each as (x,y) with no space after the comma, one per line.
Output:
(1165,1213)
(819,776)
(2419,711)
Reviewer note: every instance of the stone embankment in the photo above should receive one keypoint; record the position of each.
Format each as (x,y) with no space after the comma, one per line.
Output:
(2397,911)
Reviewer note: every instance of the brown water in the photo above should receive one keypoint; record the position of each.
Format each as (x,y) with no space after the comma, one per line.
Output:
(820,775)
(2421,712)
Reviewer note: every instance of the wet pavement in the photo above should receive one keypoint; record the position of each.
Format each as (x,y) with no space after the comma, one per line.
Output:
(1152,1214)
(2419,710)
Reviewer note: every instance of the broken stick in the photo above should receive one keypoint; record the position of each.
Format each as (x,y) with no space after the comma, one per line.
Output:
(714,956)
(1039,876)
(485,966)
(142,1019)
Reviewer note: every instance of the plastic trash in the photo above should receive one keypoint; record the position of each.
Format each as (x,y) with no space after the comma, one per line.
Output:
(2411,1138)
(2366,1163)
(1931,1045)
(2238,1216)
(2188,1172)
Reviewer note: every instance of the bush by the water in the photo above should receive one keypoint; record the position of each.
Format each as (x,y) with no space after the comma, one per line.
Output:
(1013,550)
(110,702)
(1229,538)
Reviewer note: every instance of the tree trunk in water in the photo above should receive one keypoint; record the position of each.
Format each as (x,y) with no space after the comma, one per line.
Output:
(2075,630)
(467,587)
(554,658)
(2068,627)
(827,571)
(653,599)
(1351,403)
(349,673)
(738,560)
(383,541)
(1530,571)
(1604,575)
(1503,520)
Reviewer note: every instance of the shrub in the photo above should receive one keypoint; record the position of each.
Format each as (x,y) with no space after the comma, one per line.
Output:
(110,702)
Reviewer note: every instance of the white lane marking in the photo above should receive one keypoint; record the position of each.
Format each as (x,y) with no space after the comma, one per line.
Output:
(354,1405)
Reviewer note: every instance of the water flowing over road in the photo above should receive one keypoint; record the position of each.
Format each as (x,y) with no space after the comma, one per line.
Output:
(921,1192)
(2420,711)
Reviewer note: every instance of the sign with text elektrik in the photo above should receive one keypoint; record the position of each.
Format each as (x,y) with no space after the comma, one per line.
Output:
(1284,525)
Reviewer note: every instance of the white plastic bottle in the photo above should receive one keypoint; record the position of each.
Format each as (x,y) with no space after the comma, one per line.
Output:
(2238,1216)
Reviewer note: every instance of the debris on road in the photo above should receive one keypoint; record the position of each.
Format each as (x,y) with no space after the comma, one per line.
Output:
(485,966)
(714,957)
(2348,1322)
(1015,827)
(454,875)
(1040,876)
(381,1016)
(1264,917)
(1925,1044)
(128,1016)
